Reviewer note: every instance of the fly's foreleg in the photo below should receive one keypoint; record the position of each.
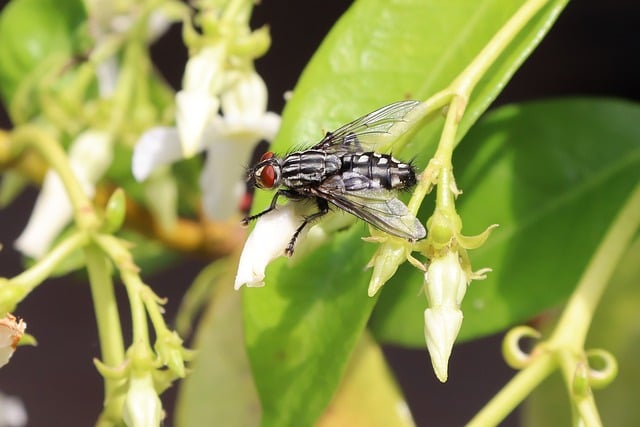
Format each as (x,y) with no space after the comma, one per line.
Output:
(274,202)
(323,208)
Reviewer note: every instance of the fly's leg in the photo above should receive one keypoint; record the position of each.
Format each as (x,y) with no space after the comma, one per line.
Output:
(323,207)
(286,193)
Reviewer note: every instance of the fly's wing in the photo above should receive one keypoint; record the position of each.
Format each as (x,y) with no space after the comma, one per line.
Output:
(364,134)
(377,206)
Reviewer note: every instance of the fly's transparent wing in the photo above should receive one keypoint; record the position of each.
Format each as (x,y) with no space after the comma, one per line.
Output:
(365,133)
(379,207)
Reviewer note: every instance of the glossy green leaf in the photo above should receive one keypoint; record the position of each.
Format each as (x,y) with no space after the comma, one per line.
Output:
(301,328)
(553,174)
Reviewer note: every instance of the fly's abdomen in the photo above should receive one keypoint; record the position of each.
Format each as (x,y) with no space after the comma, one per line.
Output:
(382,170)
(309,167)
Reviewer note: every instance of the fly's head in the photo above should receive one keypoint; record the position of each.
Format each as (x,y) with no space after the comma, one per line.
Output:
(267,173)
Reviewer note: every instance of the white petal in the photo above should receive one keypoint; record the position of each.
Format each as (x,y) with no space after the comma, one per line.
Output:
(89,155)
(12,412)
(441,327)
(253,129)
(156,147)
(194,111)
(142,406)
(247,98)
(51,213)
(268,240)
(203,70)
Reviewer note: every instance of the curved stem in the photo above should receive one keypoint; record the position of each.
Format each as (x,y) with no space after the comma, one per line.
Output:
(514,392)
(38,272)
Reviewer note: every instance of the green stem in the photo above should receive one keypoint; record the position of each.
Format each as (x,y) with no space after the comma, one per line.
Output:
(134,288)
(42,269)
(514,392)
(464,84)
(56,157)
(108,321)
(574,324)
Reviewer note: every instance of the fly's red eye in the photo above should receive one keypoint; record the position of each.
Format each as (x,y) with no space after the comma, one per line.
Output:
(266,156)
(268,175)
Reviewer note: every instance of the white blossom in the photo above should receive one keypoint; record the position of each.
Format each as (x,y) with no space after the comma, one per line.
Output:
(228,139)
(12,412)
(89,156)
(268,240)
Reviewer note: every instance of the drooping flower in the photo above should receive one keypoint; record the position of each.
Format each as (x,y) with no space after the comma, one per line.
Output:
(268,241)
(445,284)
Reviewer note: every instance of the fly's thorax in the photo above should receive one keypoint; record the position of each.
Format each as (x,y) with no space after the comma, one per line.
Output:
(383,170)
(309,167)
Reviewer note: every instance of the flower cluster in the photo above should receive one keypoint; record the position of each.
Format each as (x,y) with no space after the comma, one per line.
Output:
(221,109)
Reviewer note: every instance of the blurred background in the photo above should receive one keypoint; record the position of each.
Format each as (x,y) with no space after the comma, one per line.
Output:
(592,50)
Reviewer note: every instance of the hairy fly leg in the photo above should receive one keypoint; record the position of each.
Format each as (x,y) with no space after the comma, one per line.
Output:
(323,208)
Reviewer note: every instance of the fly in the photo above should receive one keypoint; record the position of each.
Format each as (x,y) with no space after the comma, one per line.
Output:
(344,170)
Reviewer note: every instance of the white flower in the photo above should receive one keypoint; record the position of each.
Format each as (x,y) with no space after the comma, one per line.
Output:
(11,331)
(198,101)
(269,240)
(445,285)
(228,139)
(142,406)
(12,412)
(89,156)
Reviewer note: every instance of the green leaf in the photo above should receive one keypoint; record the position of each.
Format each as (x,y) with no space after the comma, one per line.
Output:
(32,31)
(219,391)
(553,174)
(301,328)
(368,395)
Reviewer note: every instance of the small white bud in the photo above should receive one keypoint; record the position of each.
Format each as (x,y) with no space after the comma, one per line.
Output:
(445,285)
(142,406)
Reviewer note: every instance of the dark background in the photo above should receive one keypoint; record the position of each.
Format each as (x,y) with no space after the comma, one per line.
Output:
(593,49)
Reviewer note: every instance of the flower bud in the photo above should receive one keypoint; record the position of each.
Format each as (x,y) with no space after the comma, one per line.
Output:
(142,406)
(445,285)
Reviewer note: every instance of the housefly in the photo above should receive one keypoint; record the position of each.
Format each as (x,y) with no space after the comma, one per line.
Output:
(345,170)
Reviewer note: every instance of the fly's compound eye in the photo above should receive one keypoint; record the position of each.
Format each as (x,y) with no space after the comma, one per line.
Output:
(267,176)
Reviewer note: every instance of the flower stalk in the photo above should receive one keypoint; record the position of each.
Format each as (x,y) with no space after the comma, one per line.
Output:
(564,349)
